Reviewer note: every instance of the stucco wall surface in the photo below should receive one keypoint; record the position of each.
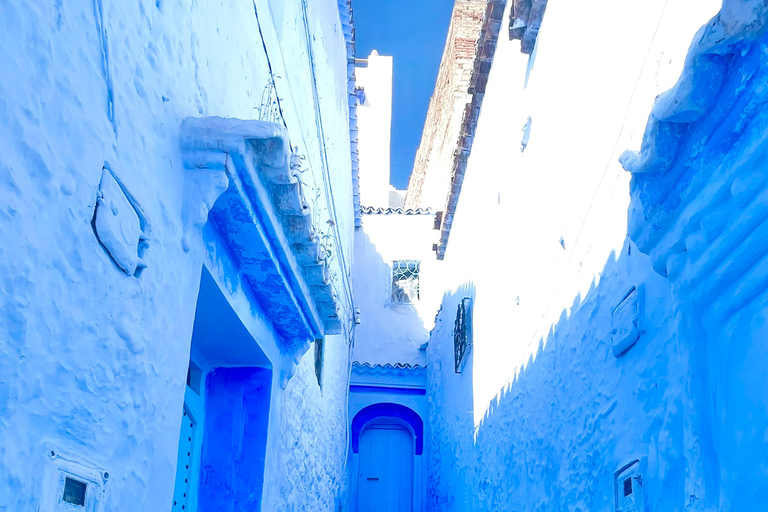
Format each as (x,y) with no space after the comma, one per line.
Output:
(543,413)
(572,416)
(374,122)
(93,361)
(389,332)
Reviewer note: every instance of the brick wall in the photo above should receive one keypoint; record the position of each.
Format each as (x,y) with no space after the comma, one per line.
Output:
(430,179)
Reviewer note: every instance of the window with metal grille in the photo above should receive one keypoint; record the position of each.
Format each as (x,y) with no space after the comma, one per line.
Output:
(405,281)
(462,333)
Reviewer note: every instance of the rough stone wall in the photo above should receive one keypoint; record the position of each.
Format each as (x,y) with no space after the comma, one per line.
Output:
(429,181)
(698,210)
(313,438)
(570,417)
(93,361)
(544,414)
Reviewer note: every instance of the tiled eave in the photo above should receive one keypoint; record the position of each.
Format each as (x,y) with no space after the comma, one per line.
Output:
(699,190)
(385,367)
(348,28)
(486,48)
(399,375)
(242,172)
(371,210)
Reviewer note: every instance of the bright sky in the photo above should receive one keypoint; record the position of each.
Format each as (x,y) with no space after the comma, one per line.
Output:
(413,32)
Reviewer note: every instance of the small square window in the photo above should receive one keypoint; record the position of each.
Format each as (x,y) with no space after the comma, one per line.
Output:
(194,377)
(74,492)
(405,281)
(627,486)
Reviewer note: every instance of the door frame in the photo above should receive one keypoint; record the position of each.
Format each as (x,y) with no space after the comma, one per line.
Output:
(194,403)
(384,420)
(388,413)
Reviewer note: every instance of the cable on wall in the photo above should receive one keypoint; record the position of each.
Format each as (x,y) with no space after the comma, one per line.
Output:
(330,202)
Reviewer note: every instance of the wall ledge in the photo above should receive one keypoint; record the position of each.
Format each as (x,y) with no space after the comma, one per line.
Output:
(698,192)
(242,177)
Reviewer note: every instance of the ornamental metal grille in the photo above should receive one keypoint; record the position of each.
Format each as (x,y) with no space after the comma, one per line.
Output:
(269,110)
(405,281)
(462,332)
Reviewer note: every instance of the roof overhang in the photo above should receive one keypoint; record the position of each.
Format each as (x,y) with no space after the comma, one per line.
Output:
(242,179)
(348,29)
(486,48)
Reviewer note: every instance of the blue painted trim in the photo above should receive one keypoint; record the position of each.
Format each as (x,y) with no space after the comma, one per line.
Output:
(388,410)
(235,439)
(387,389)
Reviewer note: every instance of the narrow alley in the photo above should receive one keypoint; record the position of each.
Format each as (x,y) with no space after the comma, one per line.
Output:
(215,299)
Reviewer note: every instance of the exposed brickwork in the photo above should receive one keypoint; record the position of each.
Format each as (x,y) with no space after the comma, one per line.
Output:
(430,179)
(449,130)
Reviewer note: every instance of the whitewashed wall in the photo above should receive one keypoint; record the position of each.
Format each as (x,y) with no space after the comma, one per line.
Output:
(543,414)
(393,333)
(374,120)
(93,362)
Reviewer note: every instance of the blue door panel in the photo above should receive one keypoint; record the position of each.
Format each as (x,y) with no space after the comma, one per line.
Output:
(385,476)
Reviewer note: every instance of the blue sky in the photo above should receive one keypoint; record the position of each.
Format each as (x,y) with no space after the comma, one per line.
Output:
(413,32)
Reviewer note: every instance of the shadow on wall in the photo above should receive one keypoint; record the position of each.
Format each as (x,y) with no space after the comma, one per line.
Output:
(389,332)
(450,410)
(574,414)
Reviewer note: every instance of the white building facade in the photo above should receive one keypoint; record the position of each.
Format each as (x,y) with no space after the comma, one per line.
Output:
(583,358)
(177,301)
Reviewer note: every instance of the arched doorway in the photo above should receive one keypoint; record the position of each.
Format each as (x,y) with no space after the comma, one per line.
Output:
(385,474)
(386,437)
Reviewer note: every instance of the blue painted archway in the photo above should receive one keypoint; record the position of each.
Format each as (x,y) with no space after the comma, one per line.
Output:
(388,410)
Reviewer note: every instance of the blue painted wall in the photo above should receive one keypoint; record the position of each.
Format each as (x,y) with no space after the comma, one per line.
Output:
(235,439)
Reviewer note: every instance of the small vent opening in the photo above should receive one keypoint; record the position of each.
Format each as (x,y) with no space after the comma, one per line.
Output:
(74,492)
(194,377)
(319,360)
(627,487)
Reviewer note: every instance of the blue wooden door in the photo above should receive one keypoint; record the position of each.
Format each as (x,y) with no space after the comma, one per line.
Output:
(183,492)
(385,476)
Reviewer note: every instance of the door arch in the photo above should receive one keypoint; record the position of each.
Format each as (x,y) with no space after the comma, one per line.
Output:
(408,416)
(387,443)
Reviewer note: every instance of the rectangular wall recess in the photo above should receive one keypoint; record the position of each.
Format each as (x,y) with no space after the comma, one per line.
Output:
(74,492)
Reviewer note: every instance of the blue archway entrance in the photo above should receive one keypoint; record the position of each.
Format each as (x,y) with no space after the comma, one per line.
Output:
(386,437)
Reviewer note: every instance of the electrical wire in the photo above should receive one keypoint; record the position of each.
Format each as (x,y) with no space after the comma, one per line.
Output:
(537,332)
(330,202)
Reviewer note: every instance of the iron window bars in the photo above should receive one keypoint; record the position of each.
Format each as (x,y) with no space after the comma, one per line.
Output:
(462,333)
(405,281)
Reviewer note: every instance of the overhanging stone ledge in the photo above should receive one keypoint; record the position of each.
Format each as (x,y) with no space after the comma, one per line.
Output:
(242,177)
(699,192)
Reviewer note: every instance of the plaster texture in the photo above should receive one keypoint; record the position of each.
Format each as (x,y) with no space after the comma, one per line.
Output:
(93,357)
(547,409)
(392,333)
(374,120)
